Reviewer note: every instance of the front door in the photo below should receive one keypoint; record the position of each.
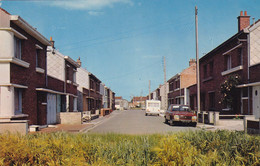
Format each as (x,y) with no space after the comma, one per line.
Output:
(51,109)
(256,101)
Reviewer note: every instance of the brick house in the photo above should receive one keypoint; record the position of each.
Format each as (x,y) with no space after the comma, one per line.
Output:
(239,55)
(23,70)
(139,101)
(159,94)
(94,99)
(120,103)
(82,77)
(178,85)
(61,72)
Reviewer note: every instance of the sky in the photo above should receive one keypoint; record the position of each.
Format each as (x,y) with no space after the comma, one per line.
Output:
(123,42)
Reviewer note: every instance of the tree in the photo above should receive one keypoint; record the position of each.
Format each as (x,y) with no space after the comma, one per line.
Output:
(228,90)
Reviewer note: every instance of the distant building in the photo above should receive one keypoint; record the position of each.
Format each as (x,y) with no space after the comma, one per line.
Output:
(121,104)
(178,85)
(139,101)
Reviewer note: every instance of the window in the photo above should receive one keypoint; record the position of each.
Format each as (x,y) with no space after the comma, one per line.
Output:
(228,62)
(240,57)
(37,58)
(245,92)
(18,100)
(92,86)
(67,73)
(177,84)
(171,87)
(74,76)
(17,48)
(75,104)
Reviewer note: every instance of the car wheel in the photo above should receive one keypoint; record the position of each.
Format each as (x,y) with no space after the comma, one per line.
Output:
(194,124)
(145,114)
(166,121)
(171,123)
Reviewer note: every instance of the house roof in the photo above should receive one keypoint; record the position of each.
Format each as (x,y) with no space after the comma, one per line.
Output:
(140,98)
(4,11)
(174,77)
(29,29)
(72,61)
(222,44)
(119,97)
(254,25)
(93,76)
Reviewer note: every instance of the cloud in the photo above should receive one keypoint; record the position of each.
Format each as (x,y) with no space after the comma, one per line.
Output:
(89,4)
(94,13)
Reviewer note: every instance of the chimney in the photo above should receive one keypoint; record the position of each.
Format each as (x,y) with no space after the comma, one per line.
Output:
(192,61)
(243,21)
(52,42)
(79,62)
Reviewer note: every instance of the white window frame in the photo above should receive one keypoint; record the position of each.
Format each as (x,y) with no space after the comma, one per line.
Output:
(229,64)
(74,76)
(17,49)
(18,100)
(75,108)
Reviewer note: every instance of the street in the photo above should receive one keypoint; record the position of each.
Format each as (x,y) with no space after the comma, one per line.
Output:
(135,122)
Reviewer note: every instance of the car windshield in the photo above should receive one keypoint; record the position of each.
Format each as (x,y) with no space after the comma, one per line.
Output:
(180,108)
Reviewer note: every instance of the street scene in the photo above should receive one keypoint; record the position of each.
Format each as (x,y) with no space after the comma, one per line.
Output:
(129,82)
(135,122)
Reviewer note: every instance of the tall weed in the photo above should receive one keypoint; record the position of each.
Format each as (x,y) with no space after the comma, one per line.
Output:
(193,148)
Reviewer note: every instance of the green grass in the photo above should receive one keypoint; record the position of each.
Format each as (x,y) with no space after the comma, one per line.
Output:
(192,148)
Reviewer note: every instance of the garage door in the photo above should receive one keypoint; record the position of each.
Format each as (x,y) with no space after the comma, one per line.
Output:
(51,109)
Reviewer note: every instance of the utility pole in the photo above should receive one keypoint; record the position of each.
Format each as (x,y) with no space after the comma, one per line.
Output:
(165,91)
(149,89)
(197,59)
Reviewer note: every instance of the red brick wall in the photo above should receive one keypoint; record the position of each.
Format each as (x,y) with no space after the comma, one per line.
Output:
(254,73)
(29,77)
(213,80)
(55,84)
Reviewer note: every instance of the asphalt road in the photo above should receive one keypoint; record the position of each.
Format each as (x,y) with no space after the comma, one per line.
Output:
(135,122)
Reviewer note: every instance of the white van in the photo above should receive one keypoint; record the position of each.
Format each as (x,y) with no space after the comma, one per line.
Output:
(152,107)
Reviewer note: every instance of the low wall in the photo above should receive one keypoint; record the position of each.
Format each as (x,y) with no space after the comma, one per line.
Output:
(231,122)
(14,126)
(70,118)
(253,126)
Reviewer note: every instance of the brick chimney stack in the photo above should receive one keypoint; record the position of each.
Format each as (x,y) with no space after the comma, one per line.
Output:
(52,42)
(79,62)
(243,21)
(192,61)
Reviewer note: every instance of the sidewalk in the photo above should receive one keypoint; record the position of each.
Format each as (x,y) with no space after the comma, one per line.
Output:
(72,128)
(220,127)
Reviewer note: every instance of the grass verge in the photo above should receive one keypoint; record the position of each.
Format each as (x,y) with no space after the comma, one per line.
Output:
(190,148)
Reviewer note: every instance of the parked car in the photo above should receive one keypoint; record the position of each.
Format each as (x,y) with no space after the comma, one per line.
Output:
(180,114)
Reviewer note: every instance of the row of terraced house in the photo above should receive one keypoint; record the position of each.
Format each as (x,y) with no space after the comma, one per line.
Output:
(38,83)
(236,61)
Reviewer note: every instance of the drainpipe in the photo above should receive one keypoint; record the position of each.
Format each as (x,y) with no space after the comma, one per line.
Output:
(46,76)
(248,63)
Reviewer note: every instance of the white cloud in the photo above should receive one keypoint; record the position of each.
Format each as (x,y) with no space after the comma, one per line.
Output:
(94,13)
(88,4)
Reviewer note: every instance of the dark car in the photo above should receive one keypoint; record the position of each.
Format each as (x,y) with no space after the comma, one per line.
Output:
(180,114)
